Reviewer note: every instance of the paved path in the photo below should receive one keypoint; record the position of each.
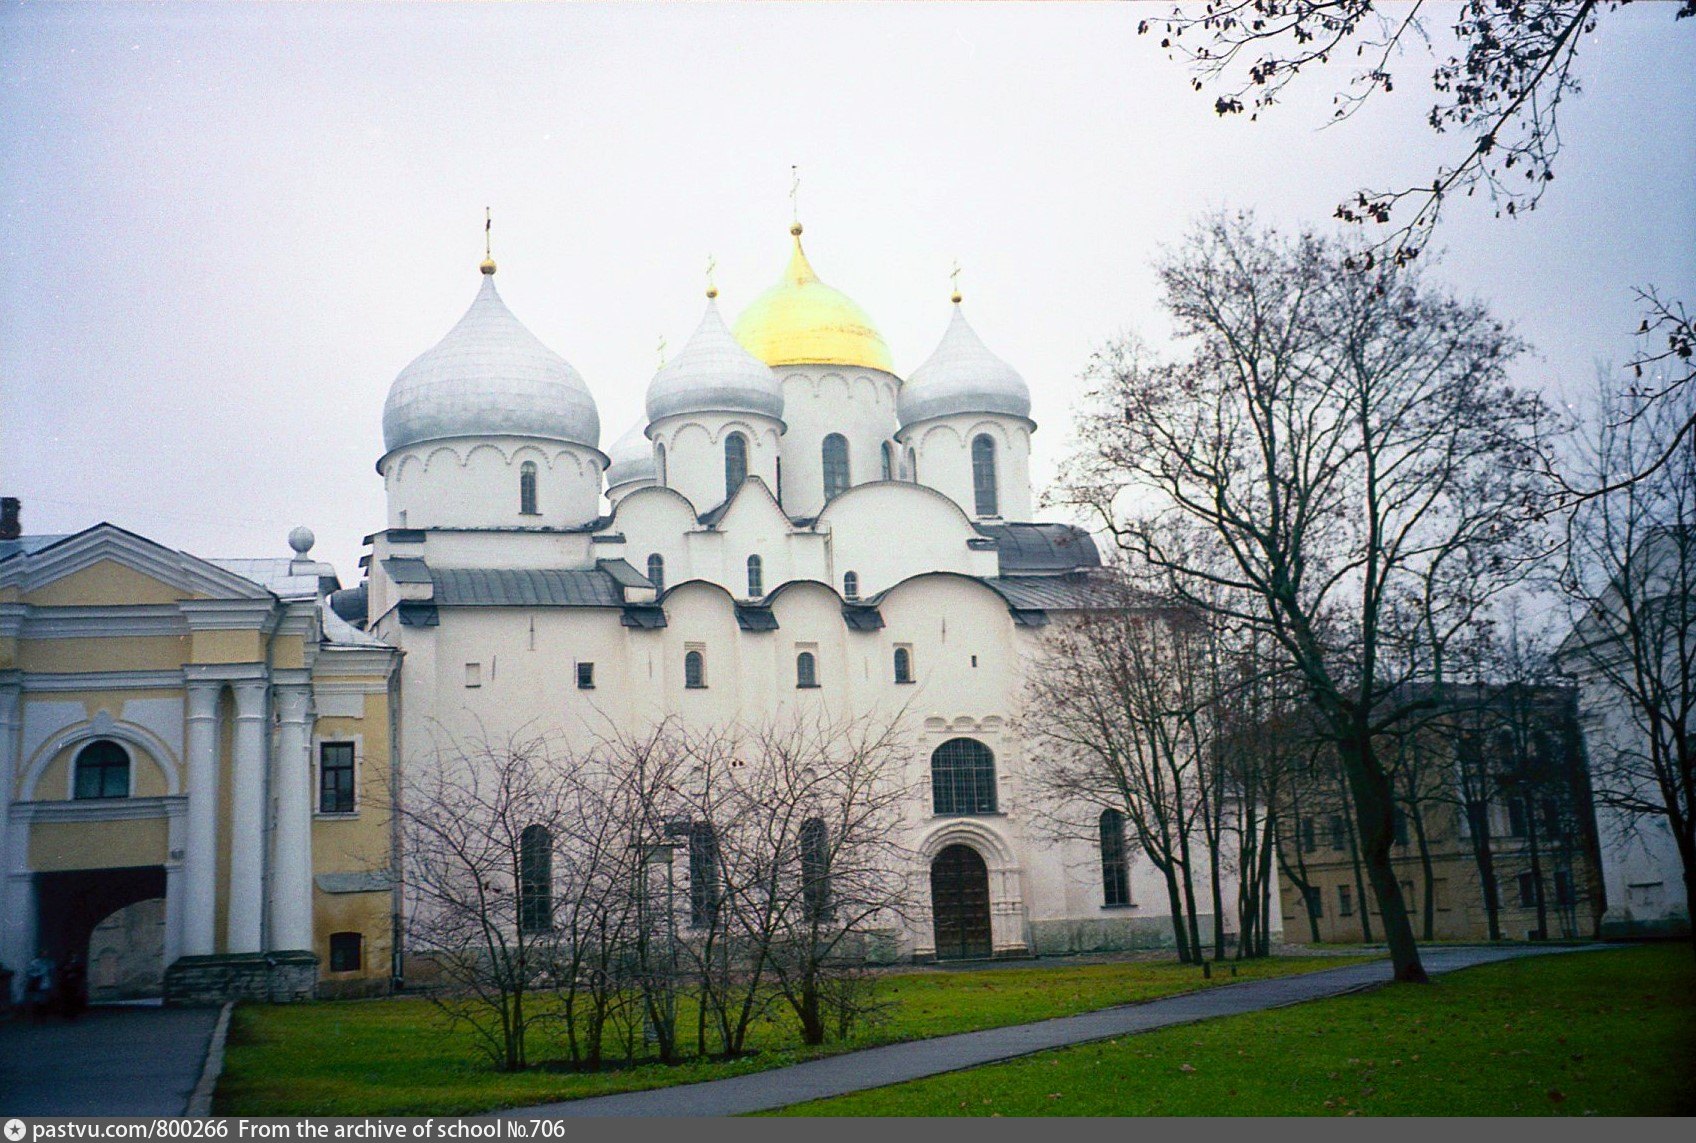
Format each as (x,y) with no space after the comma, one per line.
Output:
(897,1063)
(117,1060)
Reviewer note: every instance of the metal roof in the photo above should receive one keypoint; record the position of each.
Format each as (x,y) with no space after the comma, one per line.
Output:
(962,376)
(525,587)
(1048,592)
(623,574)
(29,545)
(862,618)
(755,618)
(1042,547)
(407,569)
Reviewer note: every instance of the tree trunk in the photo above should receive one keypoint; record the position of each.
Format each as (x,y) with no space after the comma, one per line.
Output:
(1429,930)
(1359,875)
(1179,932)
(1374,803)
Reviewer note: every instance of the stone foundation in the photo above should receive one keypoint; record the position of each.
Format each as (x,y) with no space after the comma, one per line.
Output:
(276,977)
(1109,934)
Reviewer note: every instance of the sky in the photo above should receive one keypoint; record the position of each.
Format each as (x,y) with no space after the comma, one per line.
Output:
(225,229)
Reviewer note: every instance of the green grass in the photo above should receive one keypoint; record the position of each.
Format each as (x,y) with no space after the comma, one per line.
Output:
(1607,1033)
(392,1057)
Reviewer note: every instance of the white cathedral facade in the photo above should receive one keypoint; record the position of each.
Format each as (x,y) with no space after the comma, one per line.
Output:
(791,523)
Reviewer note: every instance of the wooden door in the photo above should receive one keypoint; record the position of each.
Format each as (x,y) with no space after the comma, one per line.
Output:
(959,899)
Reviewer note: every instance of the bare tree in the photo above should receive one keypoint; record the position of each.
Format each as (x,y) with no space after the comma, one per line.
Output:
(1631,575)
(1348,439)
(478,828)
(1501,90)
(1115,729)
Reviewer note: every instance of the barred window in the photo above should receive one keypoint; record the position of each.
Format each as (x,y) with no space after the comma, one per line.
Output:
(851,585)
(703,873)
(346,952)
(527,488)
(835,465)
(1115,868)
(102,771)
(806,670)
(983,476)
(335,778)
(694,670)
(535,880)
(962,777)
(735,463)
(903,665)
(815,869)
(756,577)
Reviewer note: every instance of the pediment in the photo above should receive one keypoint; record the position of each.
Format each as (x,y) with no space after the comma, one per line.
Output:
(108,566)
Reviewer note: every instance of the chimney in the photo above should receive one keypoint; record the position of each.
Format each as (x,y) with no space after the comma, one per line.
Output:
(10,527)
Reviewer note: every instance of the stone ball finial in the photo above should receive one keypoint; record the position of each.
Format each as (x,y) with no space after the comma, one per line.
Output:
(301,540)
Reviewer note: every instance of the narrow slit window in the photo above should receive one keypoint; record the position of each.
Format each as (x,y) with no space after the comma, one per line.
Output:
(903,665)
(656,573)
(806,670)
(835,465)
(695,671)
(850,585)
(527,489)
(983,476)
(756,577)
(1115,867)
(735,463)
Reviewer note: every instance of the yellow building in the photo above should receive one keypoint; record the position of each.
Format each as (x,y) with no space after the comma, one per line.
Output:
(196,759)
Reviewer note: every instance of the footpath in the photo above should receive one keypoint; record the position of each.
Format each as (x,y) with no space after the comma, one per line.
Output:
(898,1063)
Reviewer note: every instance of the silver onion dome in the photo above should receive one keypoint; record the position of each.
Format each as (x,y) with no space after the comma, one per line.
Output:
(714,374)
(962,376)
(631,456)
(489,376)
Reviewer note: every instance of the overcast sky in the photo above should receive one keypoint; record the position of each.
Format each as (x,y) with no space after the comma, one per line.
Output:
(226,229)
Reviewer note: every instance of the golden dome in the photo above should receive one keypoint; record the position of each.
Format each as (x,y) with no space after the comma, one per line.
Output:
(802,321)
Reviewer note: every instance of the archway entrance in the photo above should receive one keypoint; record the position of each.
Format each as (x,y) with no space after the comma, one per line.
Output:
(120,911)
(959,902)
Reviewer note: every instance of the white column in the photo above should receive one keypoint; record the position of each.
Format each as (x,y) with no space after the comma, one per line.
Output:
(200,848)
(291,785)
(245,922)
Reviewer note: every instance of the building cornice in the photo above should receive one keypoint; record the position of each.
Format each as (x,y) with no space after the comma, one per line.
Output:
(100,809)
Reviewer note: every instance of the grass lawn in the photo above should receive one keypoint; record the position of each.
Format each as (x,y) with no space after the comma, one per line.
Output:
(1609,1033)
(392,1057)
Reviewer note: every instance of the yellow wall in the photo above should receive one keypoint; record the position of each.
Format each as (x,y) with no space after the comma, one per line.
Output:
(135,653)
(365,913)
(55,846)
(105,582)
(229,647)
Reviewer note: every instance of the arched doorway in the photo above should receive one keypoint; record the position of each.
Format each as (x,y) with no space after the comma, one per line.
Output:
(72,906)
(959,903)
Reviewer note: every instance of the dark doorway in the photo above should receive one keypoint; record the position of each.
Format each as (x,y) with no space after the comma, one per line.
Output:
(959,900)
(71,904)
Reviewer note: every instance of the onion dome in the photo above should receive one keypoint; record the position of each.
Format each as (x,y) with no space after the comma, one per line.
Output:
(713,374)
(632,457)
(490,376)
(962,376)
(802,321)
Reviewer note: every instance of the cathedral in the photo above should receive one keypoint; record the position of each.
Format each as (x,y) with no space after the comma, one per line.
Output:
(792,525)
(203,757)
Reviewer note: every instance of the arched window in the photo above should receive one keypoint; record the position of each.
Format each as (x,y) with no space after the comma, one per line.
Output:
(703,873)
(735,463)
(656,572)
(1115,869)
(903,665)
(962,777)
(756,578)
(659,464)
(806,670)
(103,771)
(835,465)
(535,880)
(888,461)
(694,670)
(850,585)
(815,869)
(912,466)
(527,488)
(983,475)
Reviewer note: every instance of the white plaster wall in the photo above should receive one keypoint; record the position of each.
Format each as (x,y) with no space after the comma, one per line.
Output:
(943,446)
(889,531)
(694,448)
(819,400)
(474,483)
